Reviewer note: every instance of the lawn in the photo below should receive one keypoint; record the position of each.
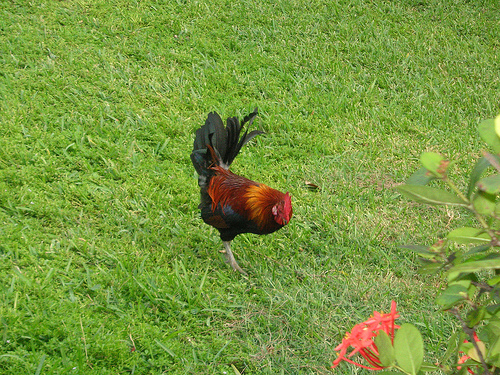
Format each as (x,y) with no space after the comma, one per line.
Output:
(105,264)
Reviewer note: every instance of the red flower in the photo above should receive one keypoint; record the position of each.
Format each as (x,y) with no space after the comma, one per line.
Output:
(361,339)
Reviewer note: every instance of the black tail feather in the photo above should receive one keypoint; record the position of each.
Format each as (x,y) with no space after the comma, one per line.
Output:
(225,141)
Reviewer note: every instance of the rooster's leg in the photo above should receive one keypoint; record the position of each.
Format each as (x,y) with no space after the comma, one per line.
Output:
(230,258)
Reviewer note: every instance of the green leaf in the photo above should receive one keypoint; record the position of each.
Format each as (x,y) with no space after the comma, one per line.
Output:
(478,249)
(420,177)
(487,132)
(452,295)
(451,348)
(465,345)
(481,165)
(465,283)
(452,276)
(494,280)
(489,262)
(434,163)
(409,348)
(484,203)
(385,349)
(428,267)
(472,352)
(464,279)
(490,184)
(428,367)
(492,330)
(420,250)
(467,235)
(429,195)
(494,353)
(492,310)
(475,316)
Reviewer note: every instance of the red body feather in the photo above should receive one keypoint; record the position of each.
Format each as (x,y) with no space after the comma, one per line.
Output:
(251,200)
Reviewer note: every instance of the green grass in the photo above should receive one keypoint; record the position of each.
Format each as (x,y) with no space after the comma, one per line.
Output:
(105,265)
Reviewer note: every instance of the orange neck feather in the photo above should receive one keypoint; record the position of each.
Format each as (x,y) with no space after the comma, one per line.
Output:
(260,200)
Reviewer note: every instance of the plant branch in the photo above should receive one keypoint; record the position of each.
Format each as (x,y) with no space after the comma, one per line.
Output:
(484,286)
(455,188)
(494,239)
(492,160)
(470,332)
(484,224)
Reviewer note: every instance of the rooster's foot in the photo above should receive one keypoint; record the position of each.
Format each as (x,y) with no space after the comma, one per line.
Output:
(230,258)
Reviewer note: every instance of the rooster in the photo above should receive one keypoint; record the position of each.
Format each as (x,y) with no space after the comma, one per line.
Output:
(230,203)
